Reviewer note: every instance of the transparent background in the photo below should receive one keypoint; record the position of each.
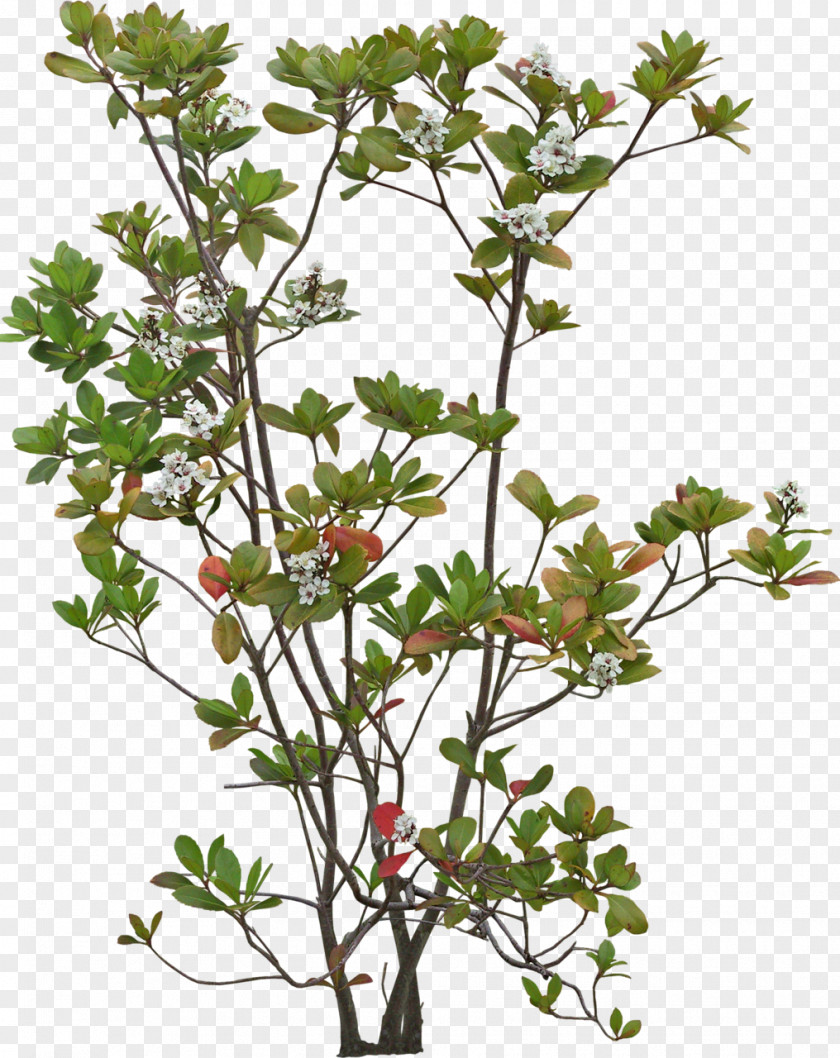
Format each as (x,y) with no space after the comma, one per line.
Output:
(701,282)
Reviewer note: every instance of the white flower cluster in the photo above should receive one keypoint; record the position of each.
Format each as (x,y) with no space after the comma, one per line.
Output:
(603,670)
(789,494)
(540,64)
(318,303)
(555,154)
(231,114)
(199,421)
(405,828)
(307,571)
(161,345)
(428,136)
(525,221)
(179,475)
(208,307)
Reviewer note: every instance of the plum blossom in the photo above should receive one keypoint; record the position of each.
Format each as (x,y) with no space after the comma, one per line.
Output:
(429,134)
(554,155)
(179,475)
(604,670)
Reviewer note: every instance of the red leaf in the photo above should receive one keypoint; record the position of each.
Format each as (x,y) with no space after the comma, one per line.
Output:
(384,816)
(573,608)
(644,557)
(818,576)
(426,641)
(392,864)
(682,492)
(213,564)
(524,629)
(447,866)
(389,706)
(360,979)
(132,480)
(609,104)
(346,536)
(518,785)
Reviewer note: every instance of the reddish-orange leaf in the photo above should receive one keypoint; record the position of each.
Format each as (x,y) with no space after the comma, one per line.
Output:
(817,576)
(392,864)
(574,609)
(213,564)
(426,641)
(131,481)
(384,816)
(524,629)
(346,536)
(644,557)
(389,706)
(360,979)
(518,785)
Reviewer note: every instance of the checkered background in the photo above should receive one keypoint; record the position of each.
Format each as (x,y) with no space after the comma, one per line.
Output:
(701,282)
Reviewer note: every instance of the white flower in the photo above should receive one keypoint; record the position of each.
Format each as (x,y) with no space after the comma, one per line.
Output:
(541,64)
(331,301)
(208,307)
(159,344)
(526,222)
(303,314)
(405,828)
(233,114)
(428,136)
(603,670)
(789,493)
(179,475)
(307,593)
(554,155)
(199,421)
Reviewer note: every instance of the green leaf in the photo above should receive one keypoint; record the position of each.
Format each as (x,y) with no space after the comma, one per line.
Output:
(193,896)
(380,155)
(548,254)
(429,841)
(170,880)
(422,506)
(616,1020)
(460,834)
(454,750)
(252,243)
(188,852)
(628,914)
(116,110)
(490,253)
(75,69)
(291,121)
(506,149)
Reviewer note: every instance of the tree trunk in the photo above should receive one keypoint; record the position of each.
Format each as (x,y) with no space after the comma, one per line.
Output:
(401,1031)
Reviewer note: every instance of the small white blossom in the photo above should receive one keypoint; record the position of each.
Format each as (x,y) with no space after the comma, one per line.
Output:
(160,344)
(541,64)
(208,307)
(233,114)
(554,155)
(307,571)
(199,421)
(790,495)
(526,222)
(429,134)
(179,475)
(405,828)
(603,670)
(312,302)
